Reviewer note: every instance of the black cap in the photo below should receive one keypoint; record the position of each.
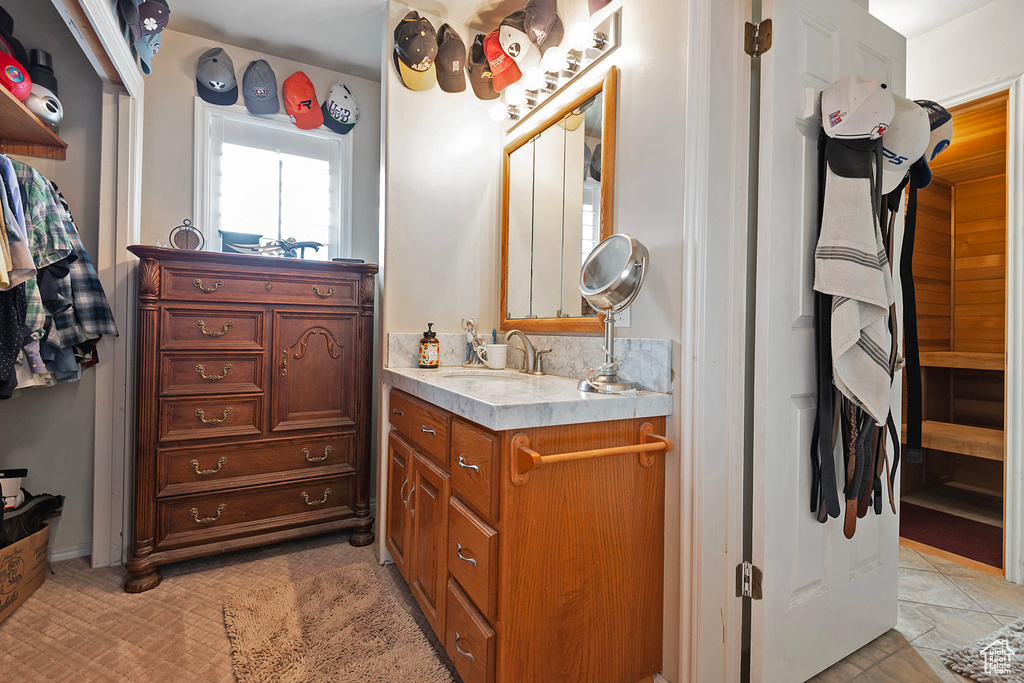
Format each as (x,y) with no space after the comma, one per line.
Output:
(543,25)
(430,334)
(479,70)
(40,70)
(451,60)
(7,34)
(415,52)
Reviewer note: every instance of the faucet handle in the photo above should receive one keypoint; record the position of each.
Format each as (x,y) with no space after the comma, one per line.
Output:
(540,360)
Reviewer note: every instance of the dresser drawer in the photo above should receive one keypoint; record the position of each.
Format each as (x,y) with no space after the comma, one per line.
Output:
(191,470)
(208,517)
(422,424)
(474,468)
(210,373)
(211,328)
(202,285)
(473,557)
(469,640)
(210,418)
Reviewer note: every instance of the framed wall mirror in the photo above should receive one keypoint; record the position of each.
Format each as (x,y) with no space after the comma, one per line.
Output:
(557,205)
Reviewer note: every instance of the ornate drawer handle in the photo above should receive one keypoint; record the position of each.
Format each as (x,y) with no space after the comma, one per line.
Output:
(201,324)
(458,551)
(396,411)
(327,451)
(206,473)
(201,414)
(284,363)
(314,503)
(462,463)
(214,378)
(423,428)
(460,650)
(216,285)
(330,291)
(207,520)
(269,287)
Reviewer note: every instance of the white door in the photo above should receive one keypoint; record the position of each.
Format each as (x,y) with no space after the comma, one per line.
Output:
(823,596)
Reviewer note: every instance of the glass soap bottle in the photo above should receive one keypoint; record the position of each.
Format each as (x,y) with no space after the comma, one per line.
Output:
(430,349)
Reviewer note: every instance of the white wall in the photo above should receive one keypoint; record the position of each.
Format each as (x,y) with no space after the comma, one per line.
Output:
(50,430)
(167,174)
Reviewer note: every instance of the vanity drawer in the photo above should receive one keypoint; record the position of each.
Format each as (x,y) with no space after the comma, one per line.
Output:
(422,424)
(210,418)
(191,470)
(218,515)
(202,285)
(469,640)
(473,557)
(474,468)
(211,328)
(210,373)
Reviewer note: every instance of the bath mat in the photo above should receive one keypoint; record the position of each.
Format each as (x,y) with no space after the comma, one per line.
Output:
(339,626)
(958,535)
(996,658)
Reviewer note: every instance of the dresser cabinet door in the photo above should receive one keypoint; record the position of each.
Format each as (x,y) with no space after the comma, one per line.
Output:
(399,518)
(428,562)
(314,379)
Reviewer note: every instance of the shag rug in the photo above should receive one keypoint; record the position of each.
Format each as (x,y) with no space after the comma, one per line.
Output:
(970,660)
(339,626)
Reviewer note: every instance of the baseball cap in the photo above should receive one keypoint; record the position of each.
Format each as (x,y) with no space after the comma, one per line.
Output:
(300,101)
(543,25)
(515,42)
(259,89)
(153,18)
(14,77)
(855,107)
(415,51)
(904,142)
(215,77)
(504,71)
(479,69)
(146,47)
(340,109)
(15,48)
(941,124)
(451,60)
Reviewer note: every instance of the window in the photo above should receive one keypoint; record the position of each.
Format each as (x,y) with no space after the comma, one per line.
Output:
(264,176)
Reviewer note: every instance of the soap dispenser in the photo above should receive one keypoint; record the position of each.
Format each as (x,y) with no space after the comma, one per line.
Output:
(430,349)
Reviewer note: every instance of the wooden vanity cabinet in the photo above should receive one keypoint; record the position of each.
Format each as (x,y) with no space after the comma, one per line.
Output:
(558,577)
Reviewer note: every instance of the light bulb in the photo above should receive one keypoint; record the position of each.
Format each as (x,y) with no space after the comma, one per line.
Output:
(581,36)
(555,60)
(497,112)
(515,94)
(533,79)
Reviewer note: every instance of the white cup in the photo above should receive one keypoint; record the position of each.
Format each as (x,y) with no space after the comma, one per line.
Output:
(496,356)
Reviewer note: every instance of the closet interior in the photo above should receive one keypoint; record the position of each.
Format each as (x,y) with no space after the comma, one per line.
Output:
(953,501)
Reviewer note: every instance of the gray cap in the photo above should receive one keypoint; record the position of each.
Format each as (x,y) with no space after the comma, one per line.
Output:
(215,77)
(259,89)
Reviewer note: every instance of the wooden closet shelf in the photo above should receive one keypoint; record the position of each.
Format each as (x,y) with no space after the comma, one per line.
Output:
(971,488)
(21,131)
(979,442)
(963,359)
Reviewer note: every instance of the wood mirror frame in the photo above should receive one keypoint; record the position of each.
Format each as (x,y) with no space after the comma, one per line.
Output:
(607,85)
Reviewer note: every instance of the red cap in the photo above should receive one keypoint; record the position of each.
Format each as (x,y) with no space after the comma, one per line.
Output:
(503,68)
(14,77)
(300,102)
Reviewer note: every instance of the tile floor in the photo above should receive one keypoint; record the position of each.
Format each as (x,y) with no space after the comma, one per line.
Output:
(941,605)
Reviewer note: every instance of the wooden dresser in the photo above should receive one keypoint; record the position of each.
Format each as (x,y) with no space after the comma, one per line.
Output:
(528,572)
(252,404)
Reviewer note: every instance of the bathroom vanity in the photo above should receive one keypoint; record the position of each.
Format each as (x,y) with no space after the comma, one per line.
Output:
(528,520)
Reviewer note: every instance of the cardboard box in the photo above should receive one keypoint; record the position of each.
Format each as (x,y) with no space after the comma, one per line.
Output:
(22,570)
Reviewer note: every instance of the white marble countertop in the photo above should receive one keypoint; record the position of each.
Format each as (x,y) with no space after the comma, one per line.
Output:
(508,399)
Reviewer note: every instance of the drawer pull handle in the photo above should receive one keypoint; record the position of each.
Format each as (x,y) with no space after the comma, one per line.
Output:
(207,520)
(327,451)
(201,414)
(269,287)
(462,463)
(201,324)
(314,503)
(216,285)
(316,290)
(460,650)
(402,488)
(206,473)
(423,428)
(458,551)
(201,369)
(412,511)
(396,411)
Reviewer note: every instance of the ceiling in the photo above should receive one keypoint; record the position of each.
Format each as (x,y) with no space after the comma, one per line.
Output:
(914,17)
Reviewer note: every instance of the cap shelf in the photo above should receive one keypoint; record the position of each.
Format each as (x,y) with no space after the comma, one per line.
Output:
(979,442)
(963,359)
(21,131)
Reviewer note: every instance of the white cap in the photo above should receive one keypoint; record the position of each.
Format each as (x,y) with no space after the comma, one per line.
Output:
(904,142)
(518,46)
(855,107)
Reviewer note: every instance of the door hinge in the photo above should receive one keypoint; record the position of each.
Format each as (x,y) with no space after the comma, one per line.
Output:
(757,38)
(748,581)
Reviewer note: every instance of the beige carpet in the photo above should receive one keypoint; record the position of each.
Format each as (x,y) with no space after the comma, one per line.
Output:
(339,627)
(81,626)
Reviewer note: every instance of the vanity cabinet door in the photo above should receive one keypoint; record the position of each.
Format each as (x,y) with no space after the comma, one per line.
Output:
(428,562)
(399,518)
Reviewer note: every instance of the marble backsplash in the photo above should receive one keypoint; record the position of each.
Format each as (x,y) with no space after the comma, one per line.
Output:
(648,361)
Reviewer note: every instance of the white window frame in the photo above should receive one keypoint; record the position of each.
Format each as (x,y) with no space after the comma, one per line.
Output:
(202,201)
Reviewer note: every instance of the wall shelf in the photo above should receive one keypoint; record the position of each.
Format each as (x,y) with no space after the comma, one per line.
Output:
(979,442)
(21,131)
(963,359)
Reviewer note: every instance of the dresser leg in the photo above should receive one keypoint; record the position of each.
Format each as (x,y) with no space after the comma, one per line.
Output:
(141,579)
(363,534)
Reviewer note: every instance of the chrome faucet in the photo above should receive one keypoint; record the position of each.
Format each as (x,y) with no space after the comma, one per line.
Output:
(533,360)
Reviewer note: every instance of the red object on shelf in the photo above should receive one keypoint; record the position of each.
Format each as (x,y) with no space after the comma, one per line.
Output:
(14,77)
